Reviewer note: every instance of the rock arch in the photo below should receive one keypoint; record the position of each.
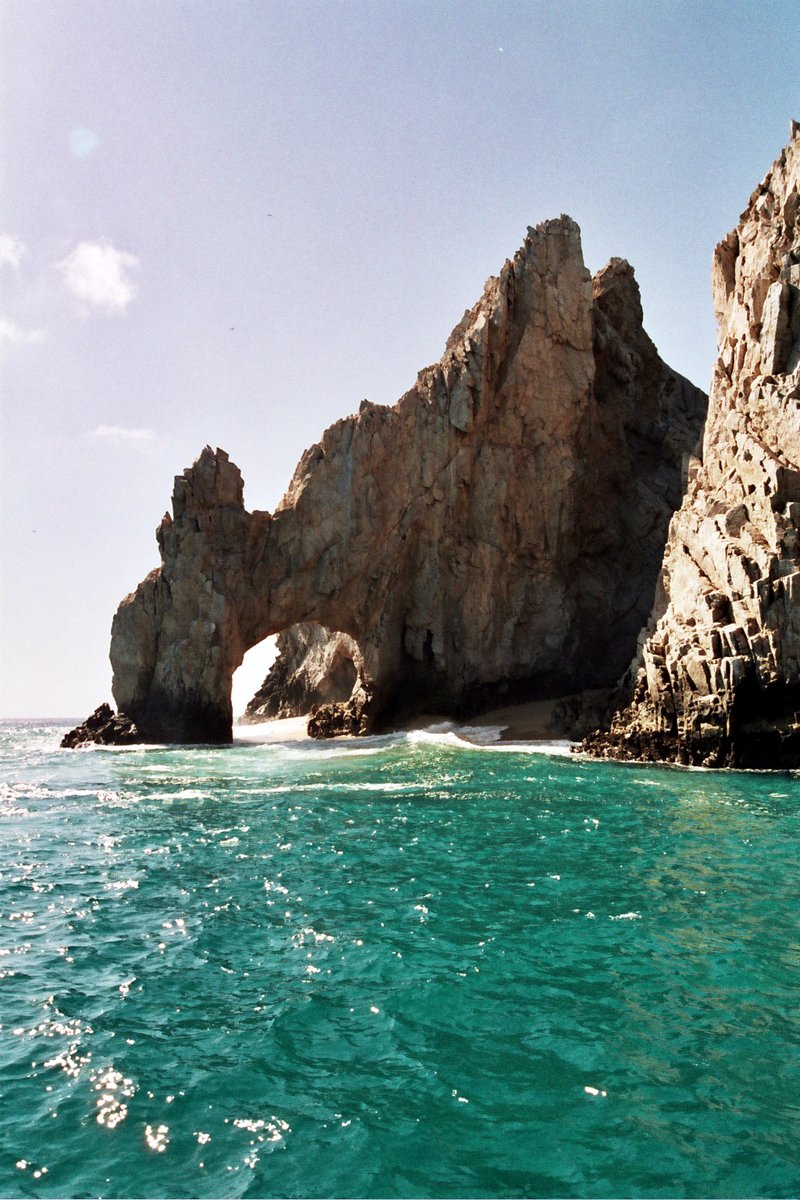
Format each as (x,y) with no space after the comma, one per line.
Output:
(499,528)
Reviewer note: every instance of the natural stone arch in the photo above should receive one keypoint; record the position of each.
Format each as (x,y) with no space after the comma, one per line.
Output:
(455,536)
(177,640)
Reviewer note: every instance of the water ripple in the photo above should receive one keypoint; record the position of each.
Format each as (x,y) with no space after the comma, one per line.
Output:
(406,968)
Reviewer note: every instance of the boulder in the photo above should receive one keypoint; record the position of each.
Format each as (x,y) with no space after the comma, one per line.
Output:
(104,727)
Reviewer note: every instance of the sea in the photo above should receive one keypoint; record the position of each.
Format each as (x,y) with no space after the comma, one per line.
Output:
(418,965)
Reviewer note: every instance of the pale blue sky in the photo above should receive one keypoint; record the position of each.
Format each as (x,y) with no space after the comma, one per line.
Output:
(230,221)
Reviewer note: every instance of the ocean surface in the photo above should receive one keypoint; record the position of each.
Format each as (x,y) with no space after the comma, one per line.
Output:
(408,966)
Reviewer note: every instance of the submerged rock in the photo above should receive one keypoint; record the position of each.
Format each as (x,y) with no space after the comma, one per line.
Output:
(103,727)
(495,535)
(717,678)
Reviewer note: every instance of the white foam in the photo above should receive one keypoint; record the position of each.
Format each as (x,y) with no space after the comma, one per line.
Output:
(486,738)
(556,748)
(450,734)
(289,736)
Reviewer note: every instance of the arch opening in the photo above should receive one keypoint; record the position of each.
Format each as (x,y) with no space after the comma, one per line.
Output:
(250,676)
(313,666)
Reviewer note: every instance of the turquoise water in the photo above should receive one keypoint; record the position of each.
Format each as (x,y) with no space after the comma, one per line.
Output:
(409,967)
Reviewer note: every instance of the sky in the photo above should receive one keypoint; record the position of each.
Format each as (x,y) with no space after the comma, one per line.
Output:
(229,221)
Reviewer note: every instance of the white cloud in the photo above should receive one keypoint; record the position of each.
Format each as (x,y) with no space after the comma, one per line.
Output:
(12,250)
(98,274)
(120,434)
(11,334)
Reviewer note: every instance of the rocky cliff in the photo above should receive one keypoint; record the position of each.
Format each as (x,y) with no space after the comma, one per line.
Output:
(717,678)
(496,534)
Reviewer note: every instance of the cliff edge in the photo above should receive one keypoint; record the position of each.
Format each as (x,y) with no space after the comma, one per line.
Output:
(717,677)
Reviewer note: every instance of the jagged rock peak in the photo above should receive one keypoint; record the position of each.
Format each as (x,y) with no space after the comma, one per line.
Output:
(717,678)
(213,481)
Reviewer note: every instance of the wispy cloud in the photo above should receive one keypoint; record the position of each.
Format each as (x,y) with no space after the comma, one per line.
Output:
(12,250)
(99,275)
(11,334)
(120,434)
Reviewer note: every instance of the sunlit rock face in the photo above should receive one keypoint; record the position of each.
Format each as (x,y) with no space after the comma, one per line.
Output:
(717,679)
(496,534)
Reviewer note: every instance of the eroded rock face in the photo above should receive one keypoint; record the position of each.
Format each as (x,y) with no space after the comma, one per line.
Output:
(717,680)
(496,534)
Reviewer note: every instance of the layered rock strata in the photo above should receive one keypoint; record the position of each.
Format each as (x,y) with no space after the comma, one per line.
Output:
(496,534)
(717,678)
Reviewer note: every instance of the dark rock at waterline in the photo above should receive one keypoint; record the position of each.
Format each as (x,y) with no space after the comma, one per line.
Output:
(772,746)
(342,718)
(105,728)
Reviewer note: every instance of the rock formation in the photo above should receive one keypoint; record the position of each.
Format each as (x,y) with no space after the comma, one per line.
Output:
(717,679)
(496,534)
(103,727)
(627,424)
